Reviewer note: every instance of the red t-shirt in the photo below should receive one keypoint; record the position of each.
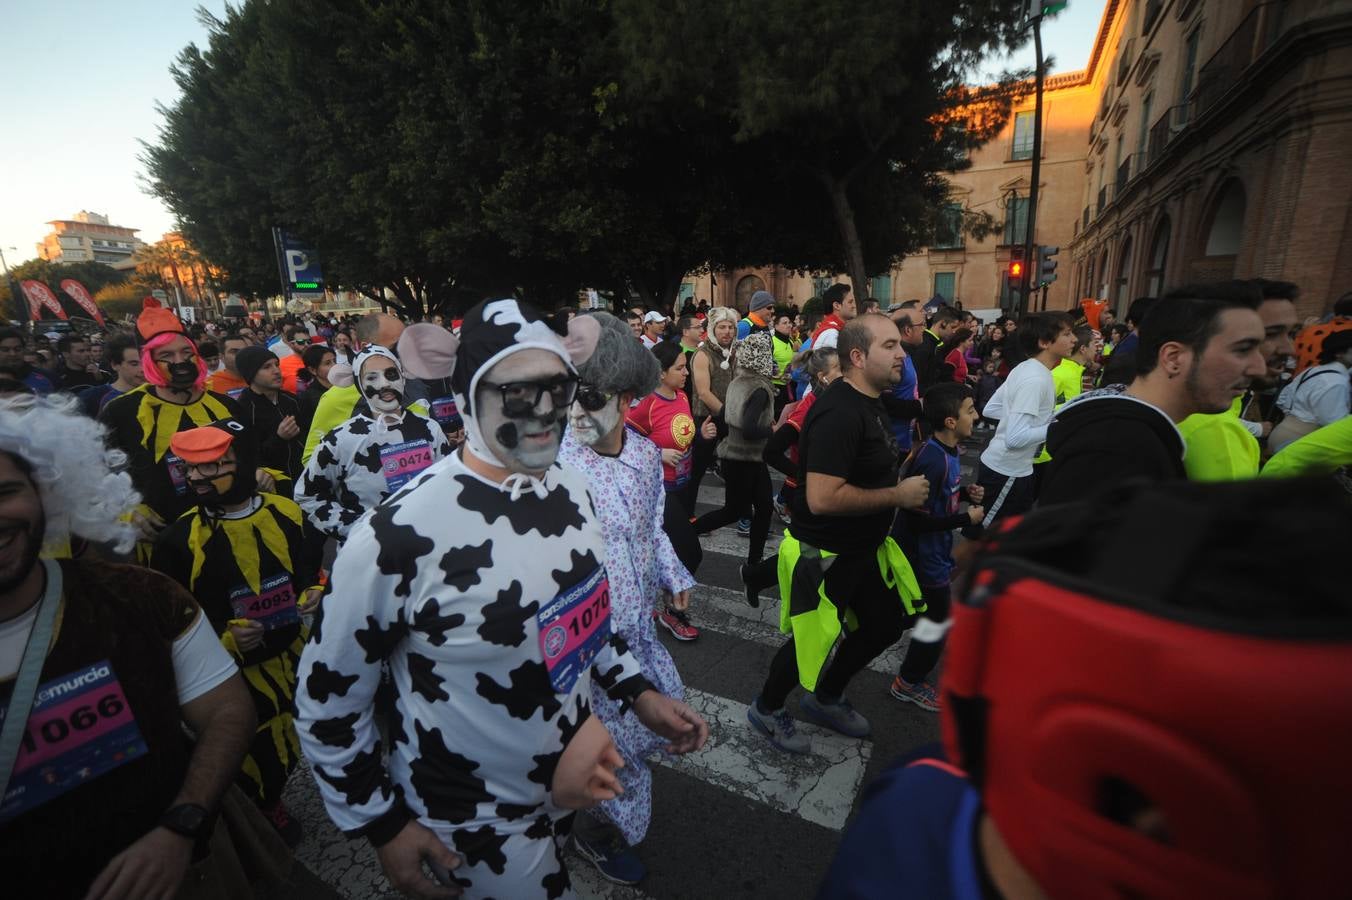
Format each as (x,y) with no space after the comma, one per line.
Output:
(795,421)
(670,426)
(958,361)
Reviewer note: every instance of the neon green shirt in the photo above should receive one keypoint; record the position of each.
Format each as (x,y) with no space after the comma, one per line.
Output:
(1067,380)
(1220,448)
(1318,453)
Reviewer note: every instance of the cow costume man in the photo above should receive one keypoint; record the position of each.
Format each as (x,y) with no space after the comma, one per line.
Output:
(482,585)
(371,455)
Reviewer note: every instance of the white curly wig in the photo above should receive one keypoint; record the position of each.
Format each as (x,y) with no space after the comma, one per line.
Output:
(85,490)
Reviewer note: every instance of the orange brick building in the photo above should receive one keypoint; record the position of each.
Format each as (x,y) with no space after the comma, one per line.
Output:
(1221,148)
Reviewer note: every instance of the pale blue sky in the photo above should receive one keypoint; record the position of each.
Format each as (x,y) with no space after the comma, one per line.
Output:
(79,80)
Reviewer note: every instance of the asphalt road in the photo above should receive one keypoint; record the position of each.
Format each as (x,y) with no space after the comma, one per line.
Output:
(738,819)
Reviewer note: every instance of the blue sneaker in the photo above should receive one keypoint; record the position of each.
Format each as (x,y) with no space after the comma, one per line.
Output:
(779,728)
(838,716)
(615,860)
(744,528)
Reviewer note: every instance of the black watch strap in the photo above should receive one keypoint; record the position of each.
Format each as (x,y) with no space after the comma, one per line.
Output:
(187,819)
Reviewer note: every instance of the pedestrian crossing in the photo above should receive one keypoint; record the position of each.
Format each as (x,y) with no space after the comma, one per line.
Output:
(737,818)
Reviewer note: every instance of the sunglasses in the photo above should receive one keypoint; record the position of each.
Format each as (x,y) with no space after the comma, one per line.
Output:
(592,398)
(520,399)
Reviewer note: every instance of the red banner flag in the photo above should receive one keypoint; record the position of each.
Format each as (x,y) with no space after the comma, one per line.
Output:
(80,294)
(39,295)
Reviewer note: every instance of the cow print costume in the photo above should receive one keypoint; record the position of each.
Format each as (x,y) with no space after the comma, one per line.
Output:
(346,476)
(449,582)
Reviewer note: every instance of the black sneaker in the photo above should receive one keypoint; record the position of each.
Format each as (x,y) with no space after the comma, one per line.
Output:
(752,595)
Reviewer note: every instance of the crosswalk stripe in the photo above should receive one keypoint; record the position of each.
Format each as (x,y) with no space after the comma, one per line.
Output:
(819,786)
(728,542)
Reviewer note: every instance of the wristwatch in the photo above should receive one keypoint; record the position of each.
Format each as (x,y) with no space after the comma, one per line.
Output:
(187,819)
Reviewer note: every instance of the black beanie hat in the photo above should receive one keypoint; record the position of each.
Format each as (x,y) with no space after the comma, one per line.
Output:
(249,360)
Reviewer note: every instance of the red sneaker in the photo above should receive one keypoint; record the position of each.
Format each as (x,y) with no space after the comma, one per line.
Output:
(678,623)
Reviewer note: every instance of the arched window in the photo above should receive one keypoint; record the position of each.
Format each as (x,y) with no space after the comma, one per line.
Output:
(1159,255)
(1120,299)
(745,288)
(1226,228)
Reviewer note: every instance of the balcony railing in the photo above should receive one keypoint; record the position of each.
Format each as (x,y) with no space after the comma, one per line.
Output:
(1244,45)
(1170,123)
(1123,175)
(1102,200)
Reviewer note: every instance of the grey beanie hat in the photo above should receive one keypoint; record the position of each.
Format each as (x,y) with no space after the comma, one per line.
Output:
(761,299)
(620,362)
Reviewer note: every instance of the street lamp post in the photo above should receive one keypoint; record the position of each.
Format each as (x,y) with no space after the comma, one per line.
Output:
(1030,229)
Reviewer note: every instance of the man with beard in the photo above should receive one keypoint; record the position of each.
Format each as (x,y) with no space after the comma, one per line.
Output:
(240,553)
(100,664)
(1199,350)
(1224,446)
(370,456)
(144,420)
(482,587)
(838,568)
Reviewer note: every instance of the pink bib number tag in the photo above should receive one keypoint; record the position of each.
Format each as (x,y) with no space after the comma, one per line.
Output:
(573,628)
(400,462)
(80,727)
(274,606)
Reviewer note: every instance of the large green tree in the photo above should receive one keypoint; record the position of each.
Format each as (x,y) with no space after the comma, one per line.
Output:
(437,151)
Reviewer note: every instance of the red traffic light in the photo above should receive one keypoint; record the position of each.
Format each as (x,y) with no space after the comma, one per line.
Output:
(1016,268)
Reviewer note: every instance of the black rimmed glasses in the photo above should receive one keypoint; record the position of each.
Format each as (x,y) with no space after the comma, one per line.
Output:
(520,399)
(209,469)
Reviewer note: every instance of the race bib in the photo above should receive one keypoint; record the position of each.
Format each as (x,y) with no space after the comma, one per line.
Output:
(444,410)
(178,474)
(573,628)
(273,607)
(400,462)
(81,727)
(680,473)
(235,393)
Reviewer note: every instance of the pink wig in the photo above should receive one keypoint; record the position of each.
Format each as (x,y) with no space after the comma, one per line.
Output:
(152,371)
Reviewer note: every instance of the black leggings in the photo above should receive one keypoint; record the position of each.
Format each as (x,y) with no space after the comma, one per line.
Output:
(927,640)
(852,582)
(702,457)
(676,523)
(746,488)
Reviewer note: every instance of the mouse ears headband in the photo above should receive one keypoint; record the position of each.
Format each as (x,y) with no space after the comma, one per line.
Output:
(491,331)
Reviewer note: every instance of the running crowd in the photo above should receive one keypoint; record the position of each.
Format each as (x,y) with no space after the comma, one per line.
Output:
(430,561)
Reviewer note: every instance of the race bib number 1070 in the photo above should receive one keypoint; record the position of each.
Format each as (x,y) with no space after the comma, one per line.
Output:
(80,728)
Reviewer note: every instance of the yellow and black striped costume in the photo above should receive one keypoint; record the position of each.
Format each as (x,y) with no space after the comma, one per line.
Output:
(251,566)
(141,425)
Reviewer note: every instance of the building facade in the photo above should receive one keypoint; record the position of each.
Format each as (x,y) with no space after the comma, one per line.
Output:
(1221,148)
(89,237)
(959,267)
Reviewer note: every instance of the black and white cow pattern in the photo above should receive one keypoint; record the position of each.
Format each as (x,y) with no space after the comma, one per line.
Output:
(344,478)
(443,582)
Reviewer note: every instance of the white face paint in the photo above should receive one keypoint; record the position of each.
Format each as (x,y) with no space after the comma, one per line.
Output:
(589,427)
(382,385)
(526,445)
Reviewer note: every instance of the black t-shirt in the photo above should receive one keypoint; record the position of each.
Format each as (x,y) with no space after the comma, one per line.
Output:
(847,435)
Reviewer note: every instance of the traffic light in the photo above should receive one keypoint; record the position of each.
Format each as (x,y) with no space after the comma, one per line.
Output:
(1046,265)
(1016,269)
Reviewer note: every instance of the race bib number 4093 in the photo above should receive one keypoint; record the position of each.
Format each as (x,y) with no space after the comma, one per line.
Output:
(80,728)
(274,606)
